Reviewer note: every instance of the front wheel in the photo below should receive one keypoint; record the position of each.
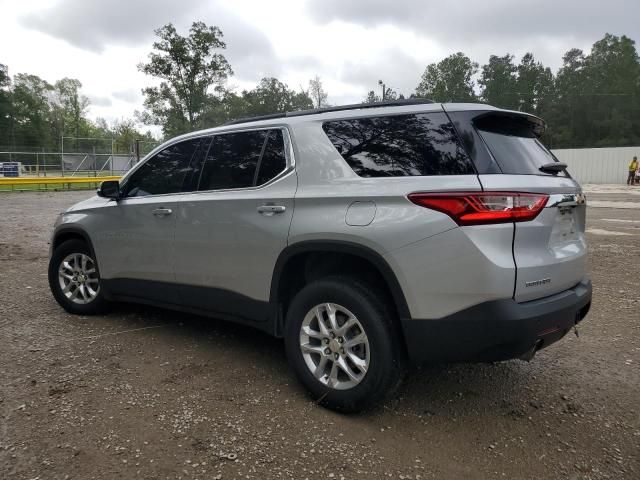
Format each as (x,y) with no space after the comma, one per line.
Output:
(74,279)
(342,344)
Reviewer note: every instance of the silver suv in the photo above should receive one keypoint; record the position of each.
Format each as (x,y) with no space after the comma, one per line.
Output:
(369,237)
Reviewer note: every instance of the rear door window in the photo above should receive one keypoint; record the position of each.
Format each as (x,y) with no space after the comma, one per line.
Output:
(400,145)
(513,142)
(242,160)
(232,160)
(273,159)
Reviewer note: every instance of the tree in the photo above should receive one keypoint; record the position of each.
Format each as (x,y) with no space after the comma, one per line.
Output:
(273,96)
(598,96)
(449,80)
(534,84)
(30,117)
(190,69)
(612,72)
(371,97)
(317,93)
(498,82)
(69,108)
(5,106)
(570,82)
(5,80)
(229,106)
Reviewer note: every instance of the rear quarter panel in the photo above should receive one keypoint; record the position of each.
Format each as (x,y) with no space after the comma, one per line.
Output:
(327,187)
(441,268)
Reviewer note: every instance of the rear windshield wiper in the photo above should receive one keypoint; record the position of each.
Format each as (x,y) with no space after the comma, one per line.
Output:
(553,167)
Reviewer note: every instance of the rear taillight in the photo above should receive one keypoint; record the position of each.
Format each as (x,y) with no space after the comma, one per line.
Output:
(481,208)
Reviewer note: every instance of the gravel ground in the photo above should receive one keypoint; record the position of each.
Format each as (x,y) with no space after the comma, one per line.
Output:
(146,393)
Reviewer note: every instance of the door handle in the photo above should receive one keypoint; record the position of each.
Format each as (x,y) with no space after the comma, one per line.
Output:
(162,212)
(271,209)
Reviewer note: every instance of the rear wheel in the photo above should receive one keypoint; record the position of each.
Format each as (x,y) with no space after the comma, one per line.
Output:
(342,344)
(74,279)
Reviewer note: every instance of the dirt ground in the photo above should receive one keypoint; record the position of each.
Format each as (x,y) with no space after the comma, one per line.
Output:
(146,393)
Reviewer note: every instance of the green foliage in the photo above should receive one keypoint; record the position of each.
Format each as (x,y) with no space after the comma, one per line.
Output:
(593,101)
(389,94)
(273,96)
(30,114)
(34,115)
(597,100)
(534,84)
(5,103)
(372,97)
(69,108)
(192,92)
(449,80)
(189,68)
(499,82)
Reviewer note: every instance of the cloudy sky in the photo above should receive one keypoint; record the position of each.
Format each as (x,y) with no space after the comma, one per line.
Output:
(349,43)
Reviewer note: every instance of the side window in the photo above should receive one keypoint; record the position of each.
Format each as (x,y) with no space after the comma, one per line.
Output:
(166,172)
(273,159)
(400,145)
(232,160)
(243,159)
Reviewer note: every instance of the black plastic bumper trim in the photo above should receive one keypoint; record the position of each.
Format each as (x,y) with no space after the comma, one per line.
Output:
(497,330)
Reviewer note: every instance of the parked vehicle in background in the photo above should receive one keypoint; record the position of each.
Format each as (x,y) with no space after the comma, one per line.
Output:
(368,237)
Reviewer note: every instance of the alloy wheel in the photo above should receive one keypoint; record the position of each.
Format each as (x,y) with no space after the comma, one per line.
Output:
(334,346)
(78,277)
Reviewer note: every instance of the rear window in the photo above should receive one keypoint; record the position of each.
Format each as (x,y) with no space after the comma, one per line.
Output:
(513,142)
(399,145)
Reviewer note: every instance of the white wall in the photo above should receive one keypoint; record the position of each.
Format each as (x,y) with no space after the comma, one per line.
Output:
(598,165)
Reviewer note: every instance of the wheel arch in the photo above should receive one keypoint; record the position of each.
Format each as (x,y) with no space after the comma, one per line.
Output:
(289,265)
(69,233)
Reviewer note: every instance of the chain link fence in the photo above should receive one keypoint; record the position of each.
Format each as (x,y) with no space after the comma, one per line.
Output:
(83,157)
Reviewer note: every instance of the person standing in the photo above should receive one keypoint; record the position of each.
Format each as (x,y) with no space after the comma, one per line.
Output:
(633,166)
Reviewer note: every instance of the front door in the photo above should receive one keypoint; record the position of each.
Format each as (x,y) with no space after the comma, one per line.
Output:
(135,235)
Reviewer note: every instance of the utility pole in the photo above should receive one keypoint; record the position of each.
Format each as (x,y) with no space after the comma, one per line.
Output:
(384,89)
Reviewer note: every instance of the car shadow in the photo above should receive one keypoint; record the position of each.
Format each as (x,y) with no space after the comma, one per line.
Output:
(426,391)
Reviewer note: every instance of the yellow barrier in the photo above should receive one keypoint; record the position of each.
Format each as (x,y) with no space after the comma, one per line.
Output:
(17,181)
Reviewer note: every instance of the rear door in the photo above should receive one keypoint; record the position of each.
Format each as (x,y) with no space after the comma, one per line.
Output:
(549,251)
(230,231)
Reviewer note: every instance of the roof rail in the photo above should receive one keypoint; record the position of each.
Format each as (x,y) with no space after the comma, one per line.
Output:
(338,108)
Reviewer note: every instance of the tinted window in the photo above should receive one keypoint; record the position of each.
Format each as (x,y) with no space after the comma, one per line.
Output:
(514,143)
(273,159)
(166,172)
(243,159)
(232,160)
(399,145)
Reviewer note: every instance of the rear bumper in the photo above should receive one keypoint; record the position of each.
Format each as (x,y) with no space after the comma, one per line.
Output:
(497,330)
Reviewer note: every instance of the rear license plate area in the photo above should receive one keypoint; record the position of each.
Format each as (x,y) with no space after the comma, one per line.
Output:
(565,227)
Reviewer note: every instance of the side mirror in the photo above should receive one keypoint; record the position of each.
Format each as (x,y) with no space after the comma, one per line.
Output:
(109,189)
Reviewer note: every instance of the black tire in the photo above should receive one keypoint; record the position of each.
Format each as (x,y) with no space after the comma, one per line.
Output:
(98,304)
(386,364)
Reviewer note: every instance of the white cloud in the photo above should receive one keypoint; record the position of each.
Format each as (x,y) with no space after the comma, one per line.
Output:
(93,25)
(351,45)
(129,95)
